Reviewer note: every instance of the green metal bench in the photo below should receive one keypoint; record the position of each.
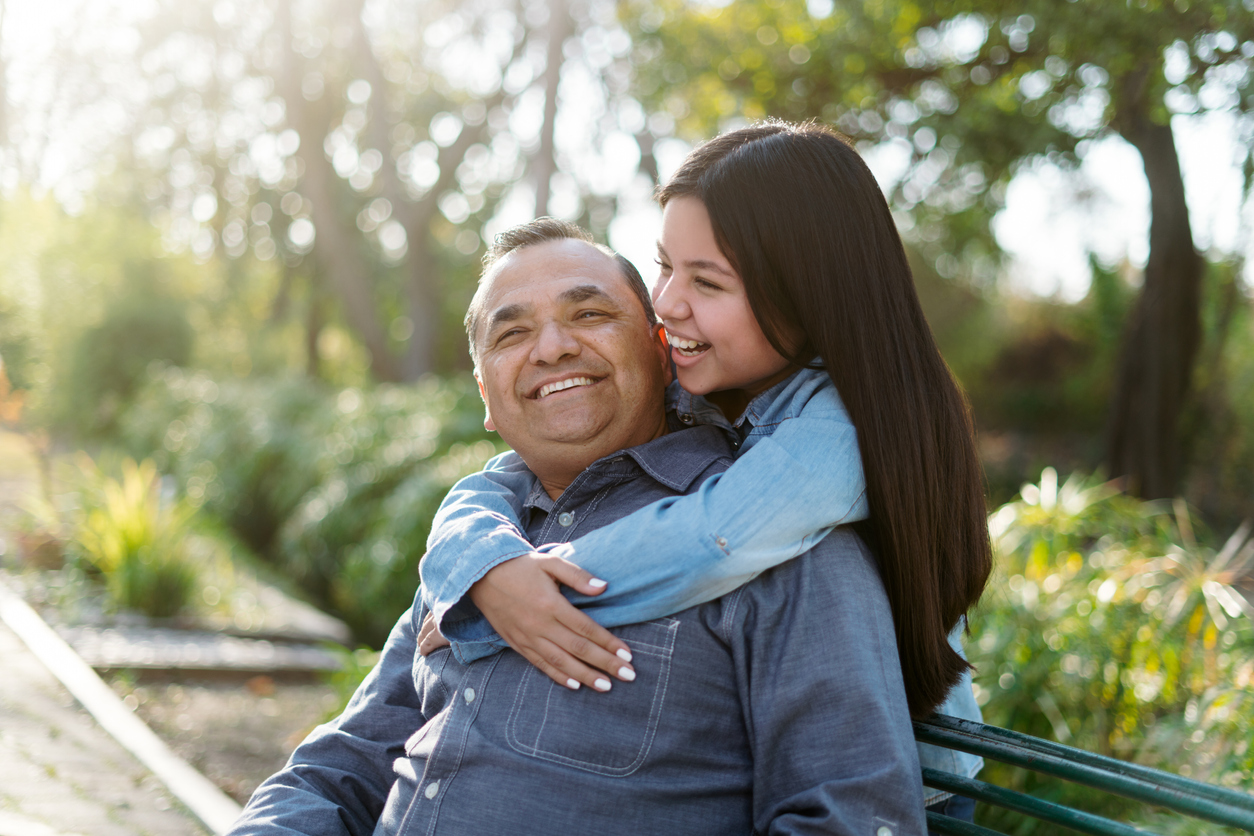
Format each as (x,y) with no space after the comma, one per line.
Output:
(1139,783)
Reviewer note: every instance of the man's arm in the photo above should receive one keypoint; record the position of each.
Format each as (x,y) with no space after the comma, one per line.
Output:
(824,702)
(338,779)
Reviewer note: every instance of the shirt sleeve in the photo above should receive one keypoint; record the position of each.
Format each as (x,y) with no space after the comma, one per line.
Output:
(780,498)
(825,706)
(476,528)
(337,781)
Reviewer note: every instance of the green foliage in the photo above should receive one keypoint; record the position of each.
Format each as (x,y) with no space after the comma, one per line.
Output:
(1109,626)
(336,489)
(15,344)
(109,361)
(355,666)
(247,450)
(968,89)
(136,539)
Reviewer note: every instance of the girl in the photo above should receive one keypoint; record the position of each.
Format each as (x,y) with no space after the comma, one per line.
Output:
(783,280)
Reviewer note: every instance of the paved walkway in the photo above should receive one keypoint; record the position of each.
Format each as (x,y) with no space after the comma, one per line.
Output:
(60,773)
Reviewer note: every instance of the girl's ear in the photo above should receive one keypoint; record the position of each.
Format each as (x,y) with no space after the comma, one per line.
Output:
(659,333)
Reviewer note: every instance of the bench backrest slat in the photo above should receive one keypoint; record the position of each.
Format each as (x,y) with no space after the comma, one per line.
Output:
(1140,783)
(1037,808)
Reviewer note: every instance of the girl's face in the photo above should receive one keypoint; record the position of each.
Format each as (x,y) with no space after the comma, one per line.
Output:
(716,342)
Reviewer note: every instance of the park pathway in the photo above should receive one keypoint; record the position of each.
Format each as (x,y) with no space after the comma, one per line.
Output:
(60,773)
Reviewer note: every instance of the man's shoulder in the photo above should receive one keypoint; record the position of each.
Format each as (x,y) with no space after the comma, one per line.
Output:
(841,564)
(683,459)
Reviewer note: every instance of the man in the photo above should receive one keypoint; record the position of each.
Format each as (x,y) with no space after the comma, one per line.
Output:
(777,708)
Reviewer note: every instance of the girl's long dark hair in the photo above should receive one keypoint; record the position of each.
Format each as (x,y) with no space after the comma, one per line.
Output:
(801,218)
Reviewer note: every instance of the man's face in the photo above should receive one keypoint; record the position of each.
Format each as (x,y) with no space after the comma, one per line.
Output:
(569,367)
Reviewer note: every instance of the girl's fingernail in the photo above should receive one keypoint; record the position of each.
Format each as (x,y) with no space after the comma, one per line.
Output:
(627,674)
(596,583)
(572,684)
(602,684)
(625,655)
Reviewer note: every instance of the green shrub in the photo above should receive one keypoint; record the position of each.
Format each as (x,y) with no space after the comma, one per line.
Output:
(136,540)
(336,489)
(359,536)
(108,363)
(246,450)
(1111,626)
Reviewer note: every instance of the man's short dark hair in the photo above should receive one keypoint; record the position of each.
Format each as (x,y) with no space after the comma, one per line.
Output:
(537,232)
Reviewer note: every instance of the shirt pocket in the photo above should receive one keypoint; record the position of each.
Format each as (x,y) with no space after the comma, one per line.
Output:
(606,733)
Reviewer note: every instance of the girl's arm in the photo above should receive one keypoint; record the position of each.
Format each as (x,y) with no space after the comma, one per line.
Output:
(780,498)
(476,529)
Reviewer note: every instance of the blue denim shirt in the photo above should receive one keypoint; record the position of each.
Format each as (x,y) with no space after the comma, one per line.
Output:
(778,708)
(796,442)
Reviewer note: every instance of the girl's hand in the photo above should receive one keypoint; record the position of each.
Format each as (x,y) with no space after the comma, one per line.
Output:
(522,601)
(429,636)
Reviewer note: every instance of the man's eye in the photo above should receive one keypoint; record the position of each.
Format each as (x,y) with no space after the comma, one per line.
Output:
(589,314)
(513,332)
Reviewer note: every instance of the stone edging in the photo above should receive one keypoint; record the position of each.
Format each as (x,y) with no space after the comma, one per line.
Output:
(215,809)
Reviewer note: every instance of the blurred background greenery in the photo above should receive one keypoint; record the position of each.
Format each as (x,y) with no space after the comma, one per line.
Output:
(237,241)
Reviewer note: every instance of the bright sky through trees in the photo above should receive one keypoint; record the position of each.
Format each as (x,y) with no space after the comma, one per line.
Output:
(1051,222)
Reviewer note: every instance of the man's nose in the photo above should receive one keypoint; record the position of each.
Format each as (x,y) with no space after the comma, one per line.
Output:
(554,343)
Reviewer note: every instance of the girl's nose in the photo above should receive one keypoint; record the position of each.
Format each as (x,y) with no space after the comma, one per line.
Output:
(668,301)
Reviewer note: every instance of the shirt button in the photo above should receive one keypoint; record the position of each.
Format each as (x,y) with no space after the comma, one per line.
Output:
(884,831)
(469,694)
(434,787)
(722,544)
(735,445)
(565,519)
(686,418)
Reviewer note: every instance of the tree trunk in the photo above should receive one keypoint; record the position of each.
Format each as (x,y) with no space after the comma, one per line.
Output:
(1160,343)
(336,245)
(545,165)
(314,320)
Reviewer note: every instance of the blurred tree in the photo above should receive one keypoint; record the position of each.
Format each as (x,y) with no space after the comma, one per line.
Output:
(964,92)
(364,146)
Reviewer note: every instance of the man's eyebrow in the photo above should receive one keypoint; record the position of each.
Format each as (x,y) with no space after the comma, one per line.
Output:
(699,263)
(507,313)
(582,293)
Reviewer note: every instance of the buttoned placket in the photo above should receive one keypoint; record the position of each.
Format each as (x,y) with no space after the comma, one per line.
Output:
(564,516)
(444,762)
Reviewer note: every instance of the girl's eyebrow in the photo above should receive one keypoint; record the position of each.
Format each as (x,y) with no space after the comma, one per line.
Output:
(703,264)
(700,263)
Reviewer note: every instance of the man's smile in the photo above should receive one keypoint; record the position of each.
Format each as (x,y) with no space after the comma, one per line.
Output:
(561,385)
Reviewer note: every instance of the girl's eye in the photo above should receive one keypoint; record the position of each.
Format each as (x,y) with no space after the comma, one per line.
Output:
(706,284)
(665,268)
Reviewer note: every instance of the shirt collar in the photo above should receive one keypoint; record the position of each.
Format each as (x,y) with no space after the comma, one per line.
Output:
(702,411)
(673,460)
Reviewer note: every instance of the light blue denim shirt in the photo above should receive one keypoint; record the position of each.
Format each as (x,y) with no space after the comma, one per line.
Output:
(795,443)
(778,708)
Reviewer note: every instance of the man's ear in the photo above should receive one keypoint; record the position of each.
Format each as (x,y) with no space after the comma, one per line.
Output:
(664,345)
(487,413)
